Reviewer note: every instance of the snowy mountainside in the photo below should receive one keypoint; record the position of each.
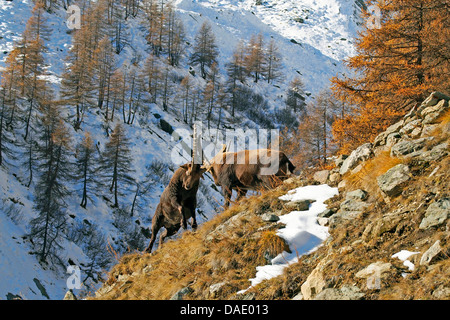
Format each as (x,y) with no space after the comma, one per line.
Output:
(312,47)
(309,49)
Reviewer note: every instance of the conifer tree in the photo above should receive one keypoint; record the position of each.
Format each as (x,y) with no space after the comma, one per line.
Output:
(30,62)
(116,162)
(54,167)
(272,62)
(236,73)
(296,96)
(397,65)
(255,57)
(86,169)
(205,49)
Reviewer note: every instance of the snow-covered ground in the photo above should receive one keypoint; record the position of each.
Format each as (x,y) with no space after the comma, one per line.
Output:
(302,232)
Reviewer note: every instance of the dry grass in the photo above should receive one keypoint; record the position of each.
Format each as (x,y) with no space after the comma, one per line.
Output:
(196,261)
(366,177)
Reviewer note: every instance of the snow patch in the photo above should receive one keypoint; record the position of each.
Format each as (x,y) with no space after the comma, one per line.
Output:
(302,232)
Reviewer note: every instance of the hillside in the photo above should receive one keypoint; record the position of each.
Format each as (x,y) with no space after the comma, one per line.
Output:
(385,236)
(313,38)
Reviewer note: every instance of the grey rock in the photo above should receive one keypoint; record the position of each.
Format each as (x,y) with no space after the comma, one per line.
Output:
(357,195)
(374,269)
(347,292)
(179,295)
(299,205)
(362,153)
(404,146)
(436,214)
(269,217)
(353,204)
(432,100)
(410,126)
(393,181)
(327,213)
(431,253)
(392,139)
(436,153)
(340,160)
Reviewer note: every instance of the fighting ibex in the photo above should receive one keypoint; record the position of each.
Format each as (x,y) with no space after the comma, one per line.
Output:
(178,201)
(248,170)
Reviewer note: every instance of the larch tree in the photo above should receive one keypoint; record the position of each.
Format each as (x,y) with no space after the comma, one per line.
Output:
(272,64)
(86,167)
(205,49)
(116,163)
(295,99)
(236,75)
(398,63)
(255,57)
(48,227)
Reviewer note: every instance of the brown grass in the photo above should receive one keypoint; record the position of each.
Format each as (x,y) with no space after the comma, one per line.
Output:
(366,177)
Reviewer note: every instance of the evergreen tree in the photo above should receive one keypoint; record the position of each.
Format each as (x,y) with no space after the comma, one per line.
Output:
(296,96)
(272,62)
(255,57)
(116,162)
(205,49)
(86,169)
(48,227)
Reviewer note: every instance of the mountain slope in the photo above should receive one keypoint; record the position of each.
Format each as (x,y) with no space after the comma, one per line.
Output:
(388,231)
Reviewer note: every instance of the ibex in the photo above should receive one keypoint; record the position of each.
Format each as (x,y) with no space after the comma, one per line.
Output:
(248,170)
(178,202)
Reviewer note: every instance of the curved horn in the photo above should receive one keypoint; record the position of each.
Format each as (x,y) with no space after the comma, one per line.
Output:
(194,144)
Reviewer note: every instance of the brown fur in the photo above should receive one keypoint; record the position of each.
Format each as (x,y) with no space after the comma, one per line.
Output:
(242,171)
(177,204)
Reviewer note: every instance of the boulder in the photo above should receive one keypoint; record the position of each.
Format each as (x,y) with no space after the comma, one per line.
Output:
(393,181)
(436,214)
(321,176)
(405,146)
(313,284)
(431,253)
(380,140)
(347,292)
(436,153)
(432,100)
(430,114)
(374,269)
(362,153)
(357,195)
(299,205)
(410,126)
(269,217)
(340,160)
(350,209)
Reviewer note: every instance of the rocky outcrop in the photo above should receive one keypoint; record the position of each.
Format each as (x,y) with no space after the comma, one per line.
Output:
(408,199)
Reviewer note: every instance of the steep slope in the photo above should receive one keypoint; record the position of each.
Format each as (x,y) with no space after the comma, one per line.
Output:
(388,231)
